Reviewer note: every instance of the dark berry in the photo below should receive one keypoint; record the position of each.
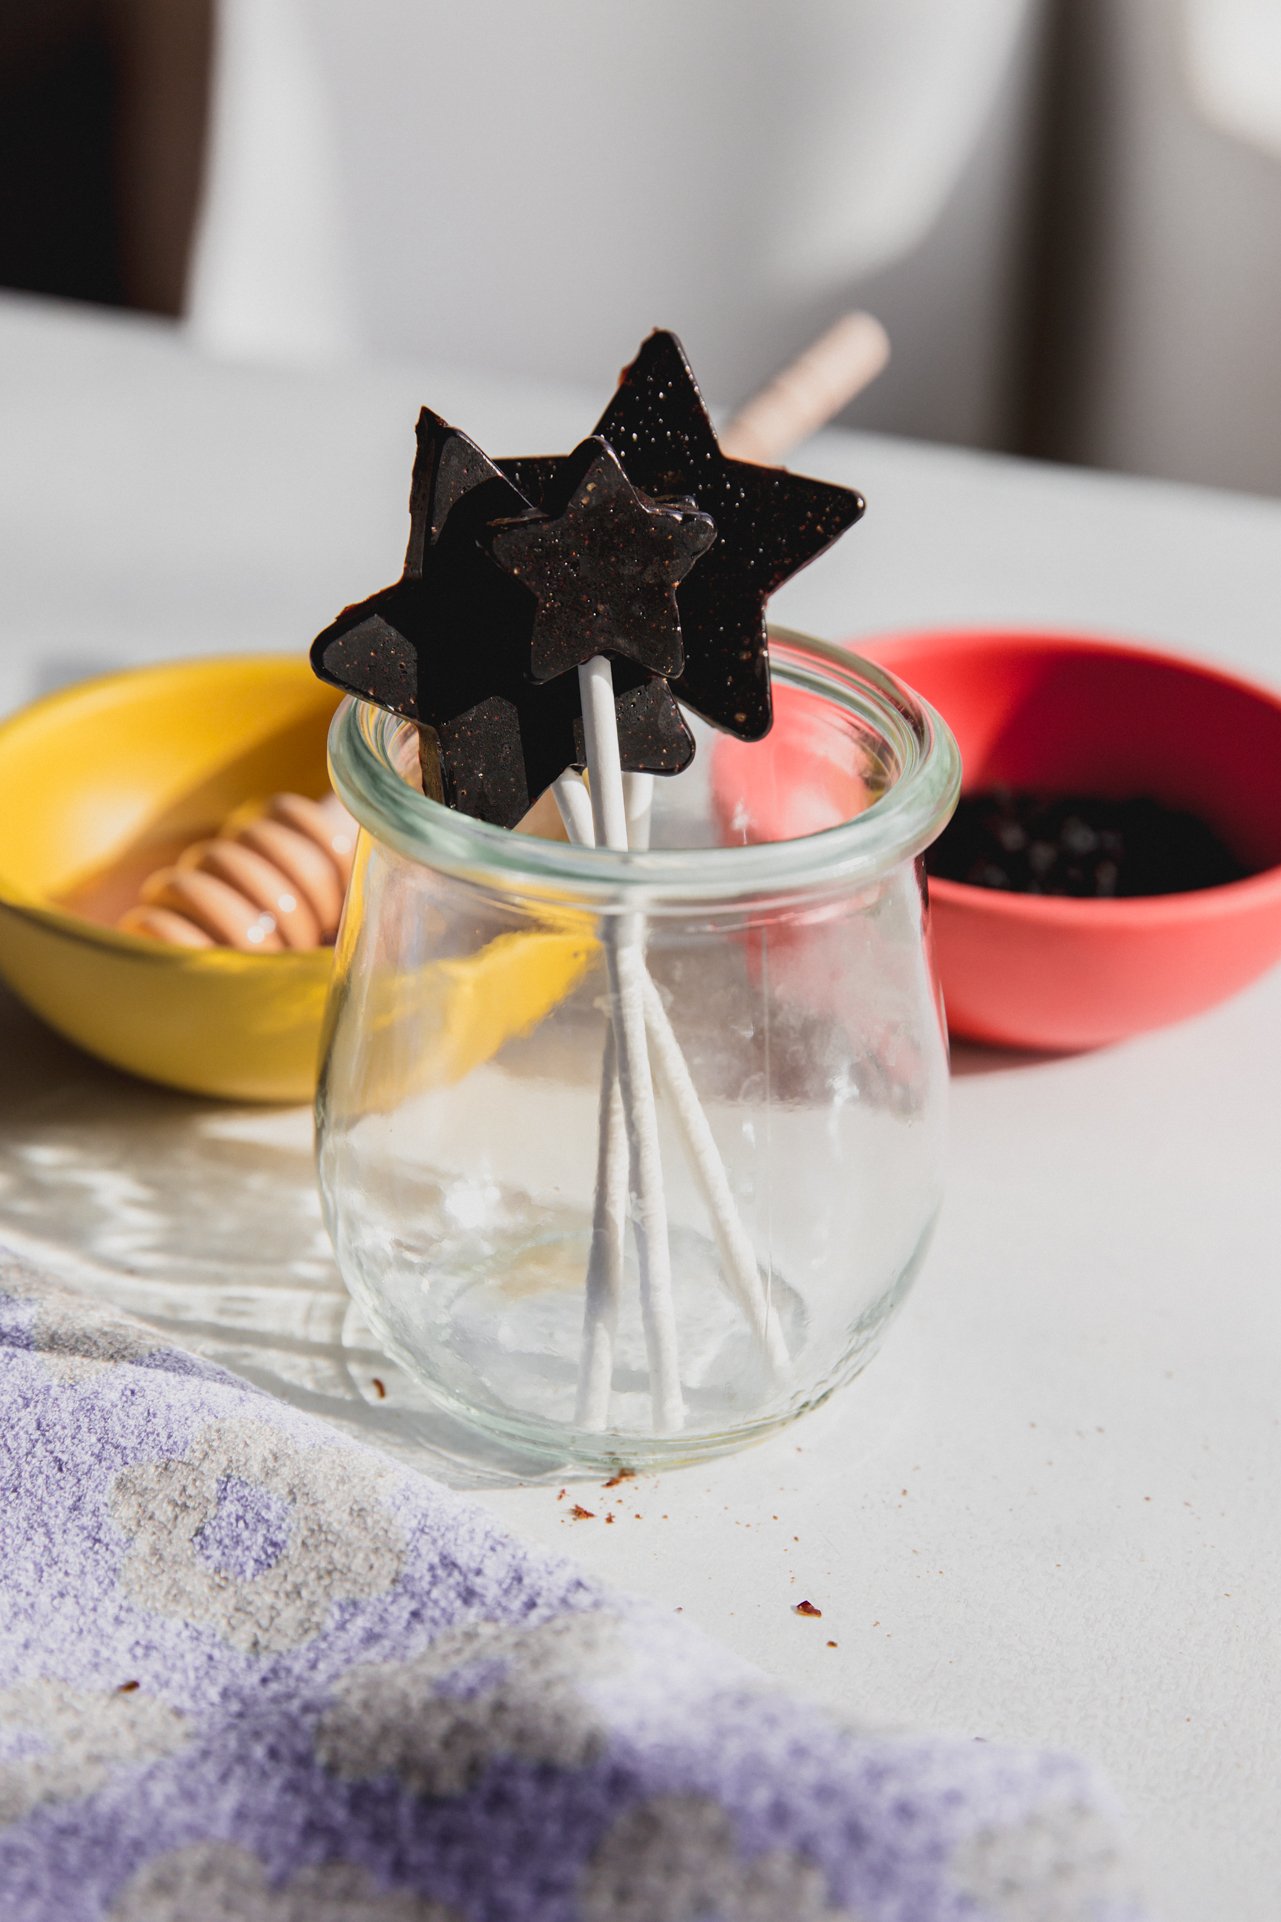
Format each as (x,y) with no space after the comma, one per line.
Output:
(1029,842)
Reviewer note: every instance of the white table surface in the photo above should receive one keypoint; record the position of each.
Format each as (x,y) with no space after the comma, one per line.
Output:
(1048,1513)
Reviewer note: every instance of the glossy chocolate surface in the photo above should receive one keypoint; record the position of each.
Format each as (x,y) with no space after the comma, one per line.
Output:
(602,564)
(448,646)
(769,523)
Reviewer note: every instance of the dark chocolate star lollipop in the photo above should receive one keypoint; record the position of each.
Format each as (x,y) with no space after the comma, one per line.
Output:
(447,646)
(769,523)
(602,563)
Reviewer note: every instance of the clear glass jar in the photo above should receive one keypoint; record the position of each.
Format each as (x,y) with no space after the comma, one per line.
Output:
(461,1084)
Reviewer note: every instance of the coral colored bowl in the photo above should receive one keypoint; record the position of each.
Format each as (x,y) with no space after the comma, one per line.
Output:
(1086,715)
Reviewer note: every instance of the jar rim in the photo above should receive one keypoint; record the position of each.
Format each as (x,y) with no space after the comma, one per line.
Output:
(898,825)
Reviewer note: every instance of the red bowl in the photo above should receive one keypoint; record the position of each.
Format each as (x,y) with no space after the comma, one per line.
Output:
(1112,718)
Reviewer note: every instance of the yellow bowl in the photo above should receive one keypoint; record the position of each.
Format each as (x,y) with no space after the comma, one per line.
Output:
(112,775)
(103,783)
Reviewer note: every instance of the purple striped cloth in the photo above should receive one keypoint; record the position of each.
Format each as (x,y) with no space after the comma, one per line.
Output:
(251,1671)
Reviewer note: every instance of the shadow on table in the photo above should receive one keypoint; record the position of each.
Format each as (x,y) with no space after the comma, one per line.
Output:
(971,1057)
(204,1220)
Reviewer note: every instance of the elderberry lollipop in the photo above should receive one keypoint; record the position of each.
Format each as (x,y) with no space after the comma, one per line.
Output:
(769,524)
(448,646)
(596,1173)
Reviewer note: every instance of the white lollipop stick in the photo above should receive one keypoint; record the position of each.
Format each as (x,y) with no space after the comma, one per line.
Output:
(609,1203)
(741,1272)
(638,799)
(625,962)
(575,805)
(799,401)
(605,1262)
(738,1256)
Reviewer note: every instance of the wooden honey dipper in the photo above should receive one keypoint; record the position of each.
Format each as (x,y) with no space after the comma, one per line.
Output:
(273,879)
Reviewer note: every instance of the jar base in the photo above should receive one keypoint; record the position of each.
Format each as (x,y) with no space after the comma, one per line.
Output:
(488,1347)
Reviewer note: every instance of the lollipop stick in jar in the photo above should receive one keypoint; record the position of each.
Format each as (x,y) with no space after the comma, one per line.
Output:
(742,1273)
(625,961)
(602,562)
(604,1288)
(801,399)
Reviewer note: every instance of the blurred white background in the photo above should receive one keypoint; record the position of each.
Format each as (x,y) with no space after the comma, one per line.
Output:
(532,187)
(1067,212)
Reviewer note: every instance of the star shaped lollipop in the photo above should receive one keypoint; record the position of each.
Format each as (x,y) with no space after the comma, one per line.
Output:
(546,612)
(769,523)
(602,563)
(448,647)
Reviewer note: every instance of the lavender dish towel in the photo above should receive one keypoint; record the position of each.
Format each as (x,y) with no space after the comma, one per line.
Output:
(251,1671)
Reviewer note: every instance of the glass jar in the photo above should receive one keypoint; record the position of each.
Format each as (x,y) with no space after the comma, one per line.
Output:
(778,928)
